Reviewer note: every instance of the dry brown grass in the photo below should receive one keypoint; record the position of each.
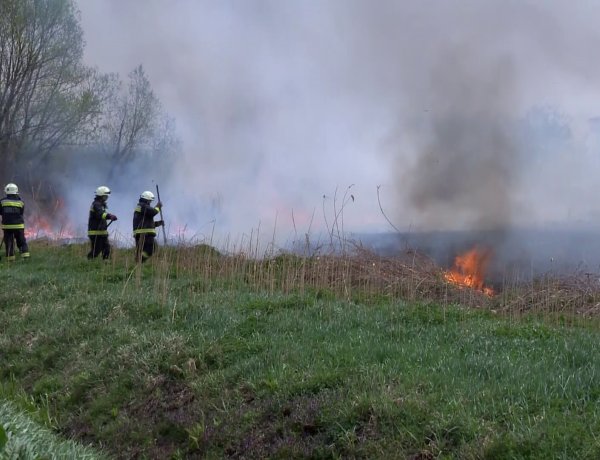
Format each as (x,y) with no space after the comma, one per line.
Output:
(360,274)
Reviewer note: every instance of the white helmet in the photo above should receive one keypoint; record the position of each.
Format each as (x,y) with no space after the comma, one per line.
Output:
(147,195)
(102,191)
(11,189)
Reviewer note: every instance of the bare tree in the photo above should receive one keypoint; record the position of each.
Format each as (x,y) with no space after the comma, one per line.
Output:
(132,120)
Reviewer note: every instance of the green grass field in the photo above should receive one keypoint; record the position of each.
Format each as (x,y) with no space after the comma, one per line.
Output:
(188,358)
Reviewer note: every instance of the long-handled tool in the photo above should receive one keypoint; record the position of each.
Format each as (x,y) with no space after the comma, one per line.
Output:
(1,244)
(161,215)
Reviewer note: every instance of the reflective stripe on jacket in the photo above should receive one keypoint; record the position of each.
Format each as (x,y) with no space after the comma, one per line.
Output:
(11,210)
(143,218)
(97,219)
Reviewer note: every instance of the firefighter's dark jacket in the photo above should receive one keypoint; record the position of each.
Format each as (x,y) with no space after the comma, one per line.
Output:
(11,209)
(143,218)
(97,221)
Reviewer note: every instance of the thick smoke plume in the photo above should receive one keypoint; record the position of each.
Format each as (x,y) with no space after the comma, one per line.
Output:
(463,175)
(470,115)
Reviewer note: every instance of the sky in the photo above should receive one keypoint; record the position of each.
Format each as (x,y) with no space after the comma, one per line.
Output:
(445,114)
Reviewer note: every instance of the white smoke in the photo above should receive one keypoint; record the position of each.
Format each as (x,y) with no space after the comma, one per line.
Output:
(447,105)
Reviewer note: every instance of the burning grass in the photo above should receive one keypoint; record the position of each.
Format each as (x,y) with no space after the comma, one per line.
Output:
(469,270)
(47,221)
(364,276)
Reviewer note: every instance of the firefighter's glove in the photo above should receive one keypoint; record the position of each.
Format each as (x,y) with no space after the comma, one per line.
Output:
(159,205)
(111,217)
(159,223)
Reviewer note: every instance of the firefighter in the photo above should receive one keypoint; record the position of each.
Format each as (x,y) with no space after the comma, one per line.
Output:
(97,225)
(13,224)
(144,226)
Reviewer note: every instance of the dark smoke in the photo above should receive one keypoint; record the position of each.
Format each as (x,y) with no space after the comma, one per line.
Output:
(463,177)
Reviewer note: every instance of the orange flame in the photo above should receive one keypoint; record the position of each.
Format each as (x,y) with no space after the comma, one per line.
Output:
(40,227)
(469,270)
(47,223)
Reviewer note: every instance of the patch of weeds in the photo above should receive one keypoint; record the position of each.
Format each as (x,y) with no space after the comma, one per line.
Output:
(249,327)
(196,286)
(115,277)
(170,370)
(450,436)
(214,358)
(80,385)
(316,383)
(47,384)
(528,331)
(374,299)
(46,354)
(196,434)
(433,315)
(172,432)
(151,311)
(324,294)
(407,419)
(270,384)
(238,345)
(507,446)
(274,304)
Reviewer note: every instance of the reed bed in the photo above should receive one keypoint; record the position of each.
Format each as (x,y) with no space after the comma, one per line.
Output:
(359,274)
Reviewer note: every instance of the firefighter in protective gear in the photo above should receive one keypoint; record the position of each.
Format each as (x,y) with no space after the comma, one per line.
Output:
(97,224)
(144,226)
(13,224)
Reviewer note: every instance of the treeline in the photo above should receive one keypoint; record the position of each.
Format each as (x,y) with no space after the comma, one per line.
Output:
(55,110)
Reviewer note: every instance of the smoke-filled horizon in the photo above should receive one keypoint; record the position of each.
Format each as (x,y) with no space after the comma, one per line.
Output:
(470,115)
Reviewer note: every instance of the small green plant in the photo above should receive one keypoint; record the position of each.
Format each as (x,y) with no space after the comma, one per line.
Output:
(196,435)
(3,437)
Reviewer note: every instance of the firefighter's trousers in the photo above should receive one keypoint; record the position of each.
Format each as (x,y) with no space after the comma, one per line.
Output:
(99,244)
(18,236)
(144,246)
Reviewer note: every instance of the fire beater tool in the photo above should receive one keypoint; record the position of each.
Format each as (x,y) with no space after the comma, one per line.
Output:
(161,215)
(1,243)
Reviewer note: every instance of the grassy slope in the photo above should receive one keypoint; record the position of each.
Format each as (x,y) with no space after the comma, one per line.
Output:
(161,364)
